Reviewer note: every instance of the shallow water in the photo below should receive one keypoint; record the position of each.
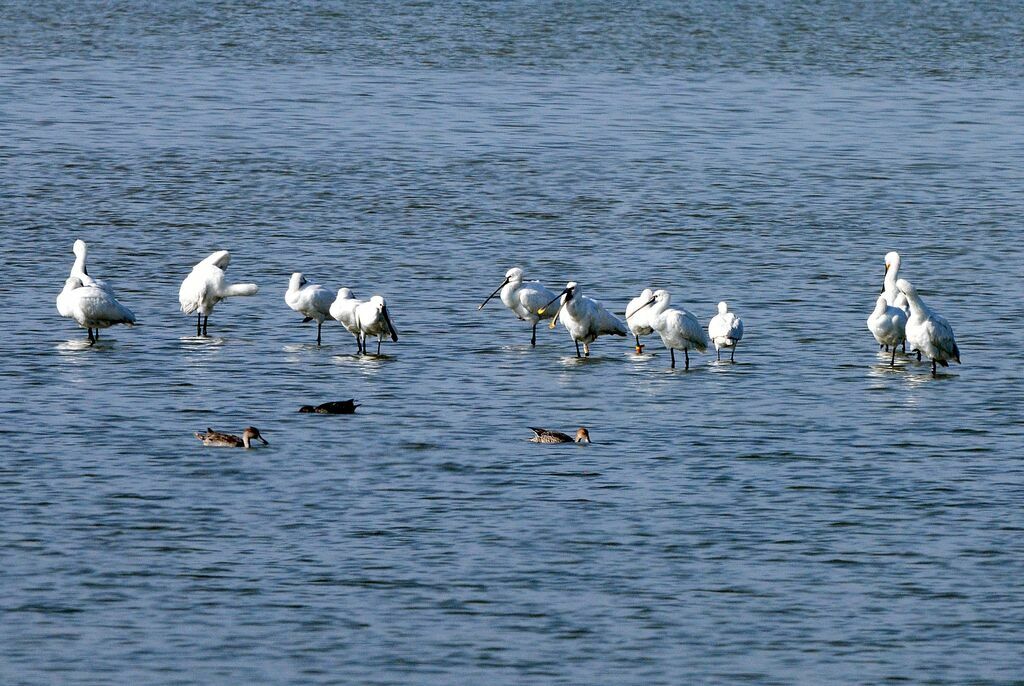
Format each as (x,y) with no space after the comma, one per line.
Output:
(806,514)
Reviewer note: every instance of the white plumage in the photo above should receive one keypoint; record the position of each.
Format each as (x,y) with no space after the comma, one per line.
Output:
(888,323)
(343,309)
(310,300)
(92,307)
(584,318)
(374,320)
(81,270)
(725,330)
(639,321)
(525,298)
(679,329)
(928,332)
(205,286)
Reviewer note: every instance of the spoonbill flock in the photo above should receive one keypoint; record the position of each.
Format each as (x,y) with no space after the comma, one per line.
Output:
(899,316)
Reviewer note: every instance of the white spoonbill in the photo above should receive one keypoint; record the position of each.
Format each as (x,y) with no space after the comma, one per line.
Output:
(310,300)
(584,318)
(525,299)
(725,330)
(639,323)
(892,294)
(344,310)
(928,332)
(679,329)
(92,307)
(80,271)
(374,320)
(204,287)
(888,324)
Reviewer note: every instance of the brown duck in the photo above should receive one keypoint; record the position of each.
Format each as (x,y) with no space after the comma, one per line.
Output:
(223,440)
(336,407)
(547,436)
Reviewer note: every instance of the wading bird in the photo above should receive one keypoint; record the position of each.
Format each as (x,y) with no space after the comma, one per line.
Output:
(584,318)
(888,324)
(204,287)
(679,329)
(374,320)
(639,324)
(525,299)
(725,330)
(92,307)
(928,332)
(310,300)
(343,309)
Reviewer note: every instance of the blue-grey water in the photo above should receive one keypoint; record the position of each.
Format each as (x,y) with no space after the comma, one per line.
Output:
(806,515)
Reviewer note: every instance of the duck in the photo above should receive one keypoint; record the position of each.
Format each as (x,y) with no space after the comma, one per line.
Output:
(335,407)
(548,436)
(218,439)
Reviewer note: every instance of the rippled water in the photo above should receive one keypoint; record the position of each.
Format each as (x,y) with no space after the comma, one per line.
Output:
(805,515)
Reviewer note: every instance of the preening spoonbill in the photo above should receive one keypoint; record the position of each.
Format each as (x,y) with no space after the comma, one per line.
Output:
(888,324)
(525,299)
(310,300)
(639,323)
(725,330)
(584,318)
(548,436)
(928,332)
(374,320)
(344,310)
(218,439)
(679,329)
(92,307)
(80,270)
(204,287)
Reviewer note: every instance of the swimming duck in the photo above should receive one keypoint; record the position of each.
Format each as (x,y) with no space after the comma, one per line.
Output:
(336,407)
(223,440)
(547,436)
